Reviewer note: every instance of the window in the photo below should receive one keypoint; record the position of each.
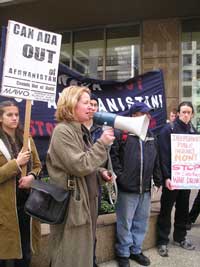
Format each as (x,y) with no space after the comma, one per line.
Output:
(122,56)
(187,91)
(88,53)
(190,71)
(103,53)
(187,60)
(198,74)
(187,45)
(187,75)
(66,49)
(198,45)
(198,59)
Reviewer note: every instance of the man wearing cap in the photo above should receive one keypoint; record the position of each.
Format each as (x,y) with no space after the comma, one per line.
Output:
(135,163)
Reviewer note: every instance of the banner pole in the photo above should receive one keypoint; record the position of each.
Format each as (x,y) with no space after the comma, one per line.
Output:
(26,132)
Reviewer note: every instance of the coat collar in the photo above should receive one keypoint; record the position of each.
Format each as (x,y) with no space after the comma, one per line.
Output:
(4,150)
(185,127)
(73,124)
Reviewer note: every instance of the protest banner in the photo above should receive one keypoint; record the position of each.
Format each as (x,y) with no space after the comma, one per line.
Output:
(30,67)
(185,158)
(30,63)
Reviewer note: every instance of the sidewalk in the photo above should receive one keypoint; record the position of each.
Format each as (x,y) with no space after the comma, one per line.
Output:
(178,257)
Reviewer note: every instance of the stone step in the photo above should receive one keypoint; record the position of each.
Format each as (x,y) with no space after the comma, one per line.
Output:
(105,239)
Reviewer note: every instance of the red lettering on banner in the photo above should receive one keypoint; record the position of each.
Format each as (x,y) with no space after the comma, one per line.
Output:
(178,179)
(49,127)
(152,123)
(186,167)
(40,128)
(32,129)
(130,86)
(40,124)
(139,82)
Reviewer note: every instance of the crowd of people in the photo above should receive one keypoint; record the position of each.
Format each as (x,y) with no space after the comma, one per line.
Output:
(79,152)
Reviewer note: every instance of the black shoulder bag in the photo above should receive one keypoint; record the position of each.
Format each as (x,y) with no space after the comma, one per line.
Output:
(47,202)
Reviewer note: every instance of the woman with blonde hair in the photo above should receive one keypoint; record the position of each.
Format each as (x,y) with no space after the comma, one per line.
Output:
(73,160)
(17,232)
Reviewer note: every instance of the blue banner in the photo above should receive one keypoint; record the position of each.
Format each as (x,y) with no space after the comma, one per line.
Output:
(115,97)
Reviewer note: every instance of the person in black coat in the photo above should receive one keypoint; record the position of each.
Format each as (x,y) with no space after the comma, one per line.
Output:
(169,197)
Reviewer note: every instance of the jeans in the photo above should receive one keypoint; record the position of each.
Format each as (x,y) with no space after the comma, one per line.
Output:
(132,212)
(181,200)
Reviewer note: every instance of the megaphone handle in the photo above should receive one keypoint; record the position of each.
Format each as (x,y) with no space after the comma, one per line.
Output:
(106,127)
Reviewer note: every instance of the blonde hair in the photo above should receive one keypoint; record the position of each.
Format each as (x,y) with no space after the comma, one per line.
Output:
(67,102)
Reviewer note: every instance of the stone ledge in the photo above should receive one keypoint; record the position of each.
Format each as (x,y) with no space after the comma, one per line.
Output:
(105,239)
(106,219)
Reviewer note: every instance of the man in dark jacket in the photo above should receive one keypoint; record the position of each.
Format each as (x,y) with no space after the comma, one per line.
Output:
(135,163)
(169,197)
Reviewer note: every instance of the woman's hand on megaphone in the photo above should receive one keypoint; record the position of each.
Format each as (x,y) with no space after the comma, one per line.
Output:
(107,136)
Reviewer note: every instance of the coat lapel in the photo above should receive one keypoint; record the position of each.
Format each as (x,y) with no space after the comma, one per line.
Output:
(4,150)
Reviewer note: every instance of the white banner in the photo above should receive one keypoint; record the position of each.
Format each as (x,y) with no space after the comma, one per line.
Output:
(30,63)
(185,158)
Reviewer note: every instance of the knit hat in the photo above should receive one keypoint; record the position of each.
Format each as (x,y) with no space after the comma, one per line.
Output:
(139,107)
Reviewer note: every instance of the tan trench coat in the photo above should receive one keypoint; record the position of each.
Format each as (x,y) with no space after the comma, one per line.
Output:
(10,242)
(71,243)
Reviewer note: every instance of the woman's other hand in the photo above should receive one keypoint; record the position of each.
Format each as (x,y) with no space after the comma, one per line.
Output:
(106,176)
(25,181)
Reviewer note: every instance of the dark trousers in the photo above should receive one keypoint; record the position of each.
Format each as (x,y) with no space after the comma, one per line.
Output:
(181,200)
(24,224)
(194,213)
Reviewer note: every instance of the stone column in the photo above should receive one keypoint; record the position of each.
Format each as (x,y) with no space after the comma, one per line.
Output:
(160,50)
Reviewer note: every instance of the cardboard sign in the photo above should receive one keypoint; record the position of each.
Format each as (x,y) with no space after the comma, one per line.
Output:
(185,158)
(30,63)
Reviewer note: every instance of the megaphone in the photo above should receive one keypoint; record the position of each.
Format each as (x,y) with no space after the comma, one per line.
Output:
(136,125)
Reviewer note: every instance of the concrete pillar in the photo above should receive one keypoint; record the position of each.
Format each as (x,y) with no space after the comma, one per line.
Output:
(160,49)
